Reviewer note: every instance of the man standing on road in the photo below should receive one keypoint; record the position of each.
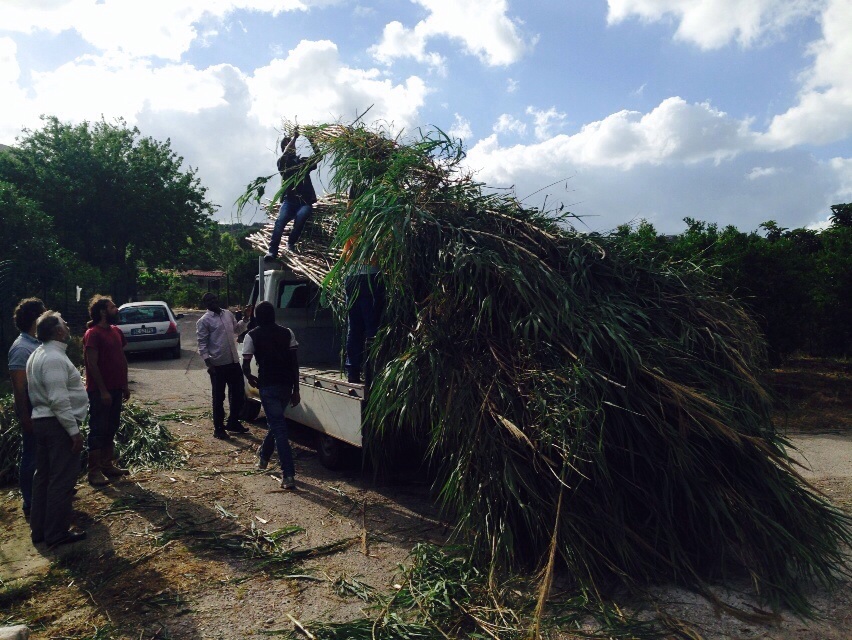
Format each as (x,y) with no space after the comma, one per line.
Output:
(59,403)
(274,347)
(26,314)
(217,332)
(106,384)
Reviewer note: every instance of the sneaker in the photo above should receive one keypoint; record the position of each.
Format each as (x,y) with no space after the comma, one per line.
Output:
(288,482)
(221,434)
(69,538)
(269,257)
(262,462)
(236,427)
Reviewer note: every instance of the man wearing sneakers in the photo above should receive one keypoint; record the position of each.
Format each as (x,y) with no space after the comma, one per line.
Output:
(274,347)
(217,332)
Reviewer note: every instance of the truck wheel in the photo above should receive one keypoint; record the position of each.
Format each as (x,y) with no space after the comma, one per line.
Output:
(331,452)
(251,409)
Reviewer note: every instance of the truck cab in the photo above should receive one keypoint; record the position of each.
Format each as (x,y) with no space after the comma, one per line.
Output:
(329,405)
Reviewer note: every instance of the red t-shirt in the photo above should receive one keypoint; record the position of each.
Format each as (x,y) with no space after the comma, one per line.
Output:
(110,343)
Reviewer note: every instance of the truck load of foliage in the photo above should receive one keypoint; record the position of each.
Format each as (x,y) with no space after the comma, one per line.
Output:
(583,406)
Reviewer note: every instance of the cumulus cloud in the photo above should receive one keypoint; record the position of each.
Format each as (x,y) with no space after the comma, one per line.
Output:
(507,124)
(162,28)
(546,121)
(711,24)
(494,40)
(461,128)
(763,172)
(824,110)
(313,84)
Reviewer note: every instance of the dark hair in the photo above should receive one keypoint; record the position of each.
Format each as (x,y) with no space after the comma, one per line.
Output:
(27,312)
(265,313)
(46,325)
(97,304)
(284,142)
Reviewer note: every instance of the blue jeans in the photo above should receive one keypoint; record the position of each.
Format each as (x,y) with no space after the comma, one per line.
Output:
(365,299)
(28,466)
(275,400)
(103,421)
(294,209)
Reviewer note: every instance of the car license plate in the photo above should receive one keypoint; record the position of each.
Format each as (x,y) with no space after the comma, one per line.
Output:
(143,331)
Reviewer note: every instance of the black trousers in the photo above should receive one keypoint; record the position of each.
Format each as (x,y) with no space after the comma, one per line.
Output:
(230,376)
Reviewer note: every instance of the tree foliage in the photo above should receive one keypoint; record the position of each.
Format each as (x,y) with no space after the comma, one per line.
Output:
(113,198)
(798,282)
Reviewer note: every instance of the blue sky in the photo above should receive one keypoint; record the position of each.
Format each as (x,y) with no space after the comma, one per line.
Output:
(729,111)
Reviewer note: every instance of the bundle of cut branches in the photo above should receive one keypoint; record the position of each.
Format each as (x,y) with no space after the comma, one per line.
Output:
(583,406)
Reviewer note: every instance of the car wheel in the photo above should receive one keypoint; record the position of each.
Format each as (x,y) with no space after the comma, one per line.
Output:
(251,409)
(176,351)
(331,452)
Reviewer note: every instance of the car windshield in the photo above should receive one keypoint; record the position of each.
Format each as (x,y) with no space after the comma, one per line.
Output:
(137,315)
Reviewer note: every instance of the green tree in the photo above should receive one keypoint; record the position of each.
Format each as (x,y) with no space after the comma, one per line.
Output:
(115,198)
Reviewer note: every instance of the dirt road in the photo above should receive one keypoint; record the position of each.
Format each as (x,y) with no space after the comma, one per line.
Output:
(157,563)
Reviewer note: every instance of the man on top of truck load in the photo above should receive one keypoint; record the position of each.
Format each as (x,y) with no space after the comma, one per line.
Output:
(277,381)
(217,332)
(297,200)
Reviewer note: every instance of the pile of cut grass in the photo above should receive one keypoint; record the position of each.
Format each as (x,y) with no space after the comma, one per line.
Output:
(583,405)
(143,441)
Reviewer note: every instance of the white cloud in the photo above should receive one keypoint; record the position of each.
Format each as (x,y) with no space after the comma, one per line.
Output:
(843,169)
(507,124)
(824,110)
(764,172)
(162,28)
(711,24)
(313,84)
(546,121)
(512,85)
(481,26)
(461,128)
(674,133)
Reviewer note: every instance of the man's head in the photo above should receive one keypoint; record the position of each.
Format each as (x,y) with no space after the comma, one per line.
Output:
(211,301)
(264,313)
(51,326)
(102,308)
(27,312)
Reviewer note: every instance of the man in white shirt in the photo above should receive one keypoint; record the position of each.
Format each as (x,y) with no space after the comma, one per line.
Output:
(217,332)
(60,404)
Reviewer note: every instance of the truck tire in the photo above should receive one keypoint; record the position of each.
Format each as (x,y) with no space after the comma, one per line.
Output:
(331,452)
(251,409)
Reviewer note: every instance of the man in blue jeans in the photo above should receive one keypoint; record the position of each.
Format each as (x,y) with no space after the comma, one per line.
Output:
(297,200)
(274,347)
(26,314)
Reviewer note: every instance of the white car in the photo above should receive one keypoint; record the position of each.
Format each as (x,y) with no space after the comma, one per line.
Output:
(150,326)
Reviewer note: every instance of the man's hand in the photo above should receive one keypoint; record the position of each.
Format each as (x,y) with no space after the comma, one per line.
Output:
(76,443)
(295,399)
(26,424)
(252,380)
(125,393)
(248,312)
(209,364)
(106,398)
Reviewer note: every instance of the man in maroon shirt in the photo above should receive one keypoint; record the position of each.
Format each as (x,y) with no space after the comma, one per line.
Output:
(106,384)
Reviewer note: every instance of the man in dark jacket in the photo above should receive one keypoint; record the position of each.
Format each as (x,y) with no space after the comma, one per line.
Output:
(274,347)
(297,200)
